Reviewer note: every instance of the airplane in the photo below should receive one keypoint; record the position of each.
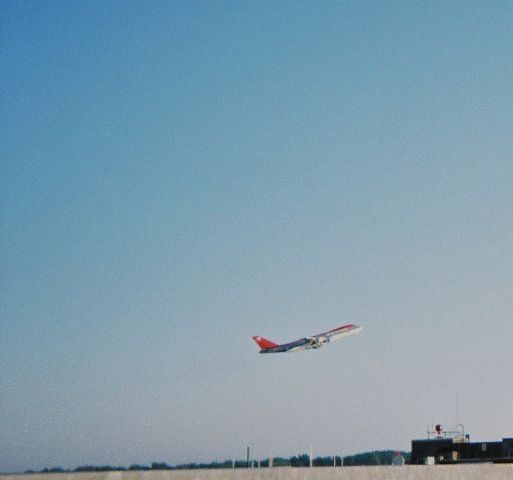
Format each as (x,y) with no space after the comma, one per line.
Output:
(315,341)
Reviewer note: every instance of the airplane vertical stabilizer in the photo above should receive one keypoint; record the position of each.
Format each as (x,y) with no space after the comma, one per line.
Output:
(263,343)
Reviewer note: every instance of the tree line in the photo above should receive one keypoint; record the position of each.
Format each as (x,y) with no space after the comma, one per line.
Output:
(378,457)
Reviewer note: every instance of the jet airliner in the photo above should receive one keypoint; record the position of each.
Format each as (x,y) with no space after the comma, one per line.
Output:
(315,341)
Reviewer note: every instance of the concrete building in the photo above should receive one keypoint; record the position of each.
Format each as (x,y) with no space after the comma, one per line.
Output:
(448,448)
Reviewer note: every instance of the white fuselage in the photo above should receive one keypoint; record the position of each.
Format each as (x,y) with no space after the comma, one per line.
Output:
(344,332)
(313,342)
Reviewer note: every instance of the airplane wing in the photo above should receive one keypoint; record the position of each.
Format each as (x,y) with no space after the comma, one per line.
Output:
(313,342)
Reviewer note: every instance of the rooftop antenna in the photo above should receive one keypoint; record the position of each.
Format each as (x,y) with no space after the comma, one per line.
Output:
(457,409)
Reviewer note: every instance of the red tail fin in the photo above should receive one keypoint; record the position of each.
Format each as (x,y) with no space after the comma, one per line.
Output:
(263,343)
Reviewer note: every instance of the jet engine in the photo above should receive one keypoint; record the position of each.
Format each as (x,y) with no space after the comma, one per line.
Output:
(316,342)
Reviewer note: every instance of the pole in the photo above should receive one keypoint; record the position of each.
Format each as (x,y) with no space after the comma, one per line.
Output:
(457,410)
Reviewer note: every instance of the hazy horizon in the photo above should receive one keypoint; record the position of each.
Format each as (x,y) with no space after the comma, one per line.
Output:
(177,177)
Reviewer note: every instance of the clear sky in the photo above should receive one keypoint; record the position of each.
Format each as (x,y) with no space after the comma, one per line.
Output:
(179,176)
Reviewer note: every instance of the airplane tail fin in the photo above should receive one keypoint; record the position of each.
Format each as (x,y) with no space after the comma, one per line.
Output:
(263,343)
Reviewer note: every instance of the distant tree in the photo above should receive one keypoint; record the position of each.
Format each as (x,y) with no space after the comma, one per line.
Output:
(300,461)
(187,466)
(85,468)
(281,462)
(138,467)
(160,466)
(325,461)
(98,468)
(377,457)
(54,470)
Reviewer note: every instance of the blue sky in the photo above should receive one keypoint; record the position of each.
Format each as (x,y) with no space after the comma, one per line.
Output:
(179,176)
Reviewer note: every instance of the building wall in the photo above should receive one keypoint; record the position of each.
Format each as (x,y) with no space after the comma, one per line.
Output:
(446,451)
